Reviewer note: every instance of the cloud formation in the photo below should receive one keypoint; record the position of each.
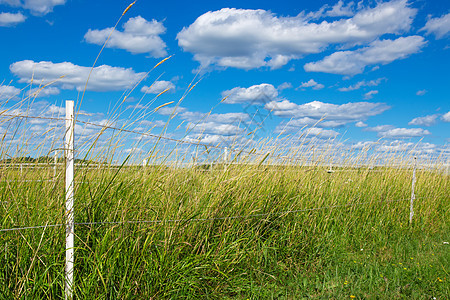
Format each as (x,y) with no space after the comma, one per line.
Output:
(344,113)
(43,92)
(103,78)
(440,27)
(421,92)
(312,84)
(256,94)
(138,36)
(391,132)
(378,52)
(424,121)
(8,92)
(369,94)
(9,19)
(403,133)
(446,117)
(36,7)
(248,39)
(158,87)
(362,83)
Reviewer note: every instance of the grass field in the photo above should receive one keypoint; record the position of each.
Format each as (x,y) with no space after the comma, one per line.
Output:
(236,232)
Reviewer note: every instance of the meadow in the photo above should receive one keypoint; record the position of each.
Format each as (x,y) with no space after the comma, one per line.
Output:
(228,231)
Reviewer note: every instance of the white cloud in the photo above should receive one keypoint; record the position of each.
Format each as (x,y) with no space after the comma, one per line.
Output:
(43,92)
(169,110)
(363,145)
(216,128)
(8,92)
(138,36)
(37,7)
(313,84)
(440,27)
(339,9)
(400,133)
(158,87)
(9,19)
(378,52)
(256,94)
(103,78)
(247,39)
(379,128)
(424,121)
(446,117)
(360,124)
(322,133)
(284,86)
(360,84)
(389,131)
(296,124)
(210,139)
(349,112)
(421,92)
(369,94)
(227,118)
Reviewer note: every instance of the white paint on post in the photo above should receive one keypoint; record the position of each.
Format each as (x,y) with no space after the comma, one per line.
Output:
(144,162)
(225,155)
(413,196)
(68,149)
(55,163)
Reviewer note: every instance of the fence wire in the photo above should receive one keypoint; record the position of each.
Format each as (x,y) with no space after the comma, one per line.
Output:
(278,214)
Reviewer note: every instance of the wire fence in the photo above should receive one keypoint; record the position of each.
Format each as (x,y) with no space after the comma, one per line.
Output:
(274,214)
(69,132)
(228,150)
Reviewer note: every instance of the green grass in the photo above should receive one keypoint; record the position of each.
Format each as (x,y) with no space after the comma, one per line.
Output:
(363,247)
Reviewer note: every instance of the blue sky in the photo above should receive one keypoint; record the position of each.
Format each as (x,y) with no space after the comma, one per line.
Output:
(350,71)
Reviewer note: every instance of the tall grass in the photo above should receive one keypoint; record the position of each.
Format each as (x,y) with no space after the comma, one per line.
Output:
(242,230)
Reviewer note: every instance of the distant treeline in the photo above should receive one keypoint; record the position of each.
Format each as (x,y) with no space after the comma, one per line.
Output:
(41,159)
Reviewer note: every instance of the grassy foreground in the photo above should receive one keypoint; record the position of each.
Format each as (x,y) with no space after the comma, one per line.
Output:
(357,245)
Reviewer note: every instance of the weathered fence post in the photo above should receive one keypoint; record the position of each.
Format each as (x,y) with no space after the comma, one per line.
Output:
(413,196)
(68,149)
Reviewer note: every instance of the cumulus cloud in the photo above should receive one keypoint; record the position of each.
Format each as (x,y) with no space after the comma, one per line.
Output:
(402,133)
(345,113)
(360,84)
(103,78)
(43,92)
(446,117)
(339,9)
(322,133)
(312,84)
(284,86)
(296,124)
(247,39)
(37,7)
(440,27)
(256,94)
(391,132)
(211,139)
(8,92)
(158,87)
(369,94)
(217,128)
(138,36)
(360,124)
(9,19)
(378,52)
(424,121)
